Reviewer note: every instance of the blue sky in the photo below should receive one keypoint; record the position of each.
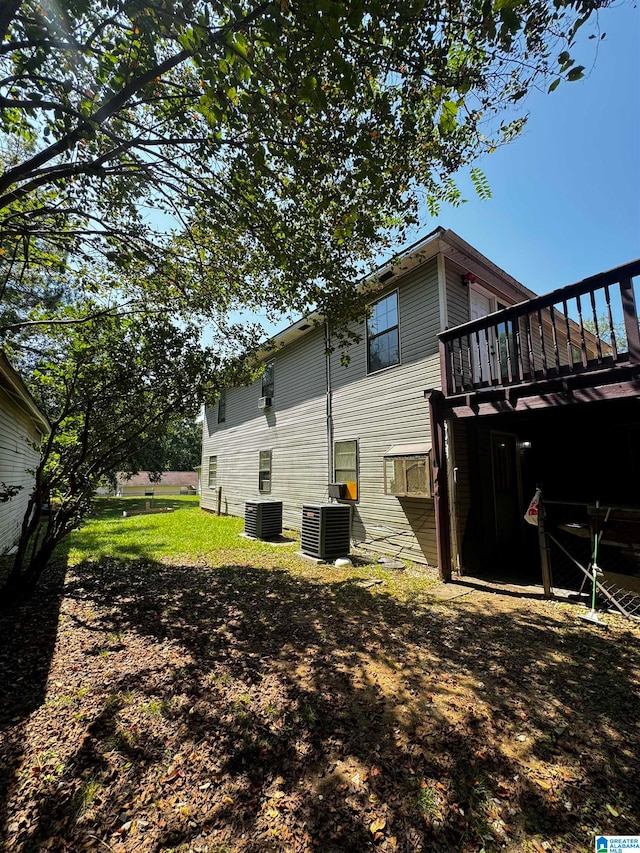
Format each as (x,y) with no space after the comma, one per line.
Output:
(566,194)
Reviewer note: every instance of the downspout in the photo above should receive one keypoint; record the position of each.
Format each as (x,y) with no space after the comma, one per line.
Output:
(329,403)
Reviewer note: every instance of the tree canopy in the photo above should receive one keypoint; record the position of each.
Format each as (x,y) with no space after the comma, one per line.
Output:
(168,162)
(281,140)
(111,387)
(176,446)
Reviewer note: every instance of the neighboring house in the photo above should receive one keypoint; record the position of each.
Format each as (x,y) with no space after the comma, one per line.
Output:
(409,466)
(170,483)
(22,428)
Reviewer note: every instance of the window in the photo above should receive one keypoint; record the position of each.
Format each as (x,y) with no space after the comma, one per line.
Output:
(383,347)
(345,467)
(267,380)
(264,471)
(222,407)
(407,474)
(213,471)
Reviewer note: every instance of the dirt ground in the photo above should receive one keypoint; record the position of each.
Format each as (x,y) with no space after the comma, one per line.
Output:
(153,707)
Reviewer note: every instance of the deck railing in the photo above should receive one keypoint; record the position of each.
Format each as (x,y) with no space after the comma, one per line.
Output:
(590,325)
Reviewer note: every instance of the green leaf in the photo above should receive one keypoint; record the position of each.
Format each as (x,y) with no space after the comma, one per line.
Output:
(576,73)
(554,85)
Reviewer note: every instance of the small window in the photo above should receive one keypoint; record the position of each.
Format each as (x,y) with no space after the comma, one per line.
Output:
(383,347)
(345,467)
(264,471)
(267,380)
(408,476)
(222,407)
(213,471)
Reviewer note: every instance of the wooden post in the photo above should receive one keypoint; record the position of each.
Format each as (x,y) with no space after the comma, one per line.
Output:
(446,372)
(218,511)
(440,491)
(630,320)
(544,551)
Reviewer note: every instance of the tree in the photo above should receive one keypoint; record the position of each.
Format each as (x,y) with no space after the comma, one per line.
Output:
(183,159)
(174,448)
(105,385)
(282,139)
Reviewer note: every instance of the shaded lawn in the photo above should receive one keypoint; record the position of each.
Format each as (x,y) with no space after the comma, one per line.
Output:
(208,693)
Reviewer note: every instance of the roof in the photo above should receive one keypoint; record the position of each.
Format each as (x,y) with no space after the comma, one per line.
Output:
(439,240)
(409,449)
(168,478)
(14,386)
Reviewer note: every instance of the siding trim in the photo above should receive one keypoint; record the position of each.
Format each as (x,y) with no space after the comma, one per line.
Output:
(442,293)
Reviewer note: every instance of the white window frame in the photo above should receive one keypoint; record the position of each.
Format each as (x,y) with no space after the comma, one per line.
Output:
(262,468)
(212,482)
(264,392)
(379,334)
(356,470)
(407,460)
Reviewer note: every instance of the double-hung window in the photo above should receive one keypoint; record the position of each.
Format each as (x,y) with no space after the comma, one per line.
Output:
(264,471)
(213,471)
(267,380)
(383,343)
(222,407)
(345,467)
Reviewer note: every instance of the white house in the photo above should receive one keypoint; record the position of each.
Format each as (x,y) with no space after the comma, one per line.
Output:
(22,428)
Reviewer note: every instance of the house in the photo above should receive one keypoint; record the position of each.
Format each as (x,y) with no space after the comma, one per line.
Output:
(443,480)
(22,428)
(169,483)
(557,406)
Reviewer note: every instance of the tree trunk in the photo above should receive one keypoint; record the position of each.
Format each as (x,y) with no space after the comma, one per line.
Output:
(25,573)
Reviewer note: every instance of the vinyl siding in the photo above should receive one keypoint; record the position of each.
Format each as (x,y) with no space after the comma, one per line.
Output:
(386,408)
(457,296)
(294,429)
(377,410)
(18,456)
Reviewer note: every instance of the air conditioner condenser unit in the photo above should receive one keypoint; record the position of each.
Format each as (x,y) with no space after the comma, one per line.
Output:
(326,530)
(263,519)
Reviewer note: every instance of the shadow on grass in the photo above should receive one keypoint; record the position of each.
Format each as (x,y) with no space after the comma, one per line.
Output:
(270,712)
(111,508)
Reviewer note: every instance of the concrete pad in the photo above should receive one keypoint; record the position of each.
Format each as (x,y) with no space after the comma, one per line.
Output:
(449,591)
(276,541)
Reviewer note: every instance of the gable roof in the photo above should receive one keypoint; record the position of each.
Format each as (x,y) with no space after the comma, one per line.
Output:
(168,478)
(14,386)
(440,240)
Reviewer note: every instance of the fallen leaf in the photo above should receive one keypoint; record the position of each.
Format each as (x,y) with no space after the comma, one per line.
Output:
(377,825)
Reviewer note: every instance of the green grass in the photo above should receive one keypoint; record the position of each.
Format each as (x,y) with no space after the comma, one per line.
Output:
(187,534)
(191,536)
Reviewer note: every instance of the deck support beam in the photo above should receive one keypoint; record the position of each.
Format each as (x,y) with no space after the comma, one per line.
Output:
(437,411)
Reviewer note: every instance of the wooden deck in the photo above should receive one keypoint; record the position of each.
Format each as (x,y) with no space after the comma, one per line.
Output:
(576,344)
